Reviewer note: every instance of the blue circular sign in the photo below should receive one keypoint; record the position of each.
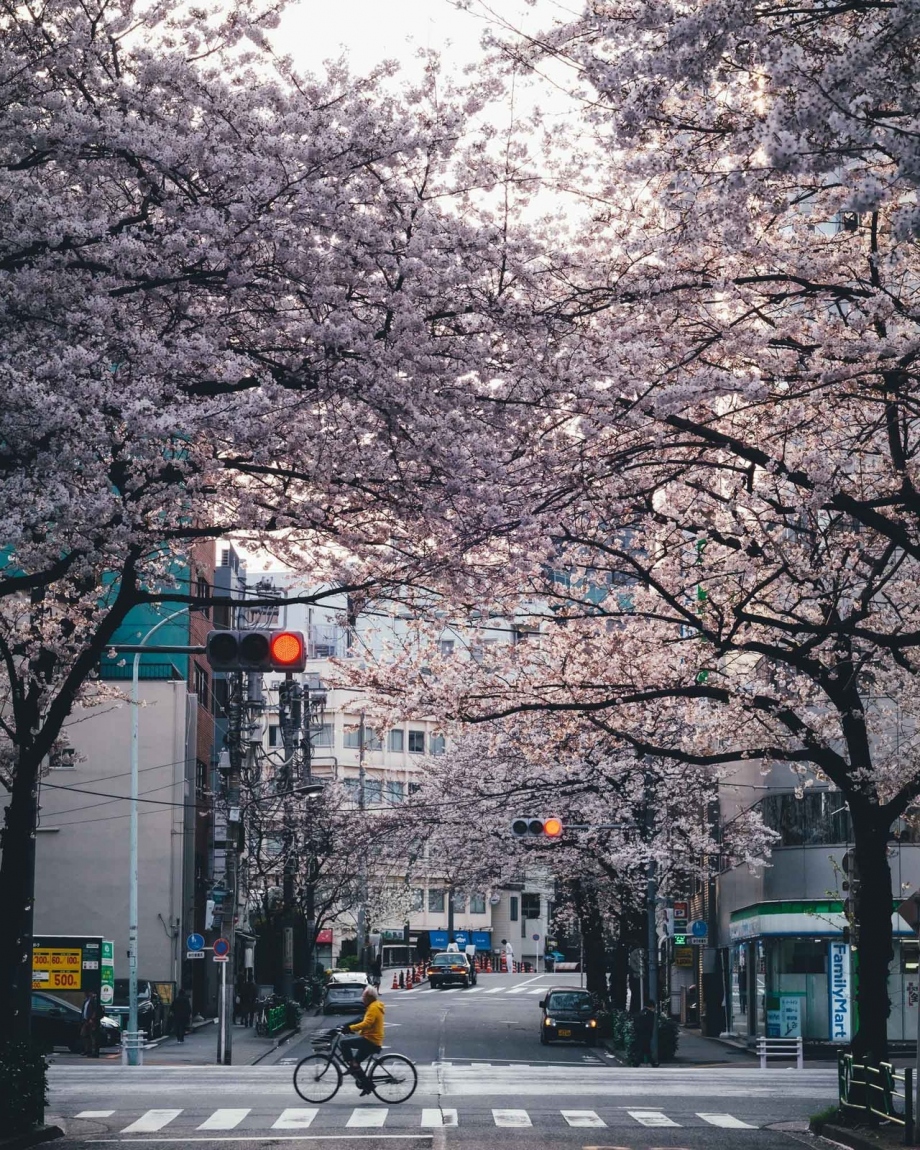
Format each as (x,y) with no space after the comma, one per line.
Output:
(221,947)
(699,929)
(195,942)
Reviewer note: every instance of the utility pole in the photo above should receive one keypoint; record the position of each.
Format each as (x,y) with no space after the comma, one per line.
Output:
(652,912)
(361,924)
(289,718)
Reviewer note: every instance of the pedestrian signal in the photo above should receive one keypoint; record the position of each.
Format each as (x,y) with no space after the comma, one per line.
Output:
(256,650)
(528,826)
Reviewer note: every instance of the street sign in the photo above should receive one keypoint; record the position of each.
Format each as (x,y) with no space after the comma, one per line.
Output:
(696,939)
(683,956)
(107,975)
(195,942)
(699,928)
(221,957)
(221,948)
(681,908)
(194,954)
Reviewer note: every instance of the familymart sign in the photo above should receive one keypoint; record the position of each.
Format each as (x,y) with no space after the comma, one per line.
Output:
(840,1010)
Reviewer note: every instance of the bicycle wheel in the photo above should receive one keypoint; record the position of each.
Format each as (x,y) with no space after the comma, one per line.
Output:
(394,1078)
(317,1078)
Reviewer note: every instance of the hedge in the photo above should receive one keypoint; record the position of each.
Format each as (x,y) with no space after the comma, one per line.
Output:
(23,1087)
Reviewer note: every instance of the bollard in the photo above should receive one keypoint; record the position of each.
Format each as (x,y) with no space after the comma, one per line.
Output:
(402,981)
(132,1041)
(395,985)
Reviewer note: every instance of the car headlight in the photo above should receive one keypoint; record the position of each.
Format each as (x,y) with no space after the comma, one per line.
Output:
(592,1022)
(548,1022)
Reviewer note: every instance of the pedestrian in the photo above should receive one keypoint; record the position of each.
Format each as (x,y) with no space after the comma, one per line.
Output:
(509,955)
(91,1026)
(453,948)
(238,998)
(376,970)
(181,1015)
(644,1029)
(248,997)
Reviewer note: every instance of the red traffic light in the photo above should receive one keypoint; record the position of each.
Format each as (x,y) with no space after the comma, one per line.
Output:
(287,648)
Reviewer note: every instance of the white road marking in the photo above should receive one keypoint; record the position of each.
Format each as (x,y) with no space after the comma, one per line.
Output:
(652,1118)
(728,1121)
(539,990)
(582,1118)
(365,1116)
(224,1119)
(495,990)
(435,1117)
(95,1114)
(152,1120)
(511,1118)
(294,1118)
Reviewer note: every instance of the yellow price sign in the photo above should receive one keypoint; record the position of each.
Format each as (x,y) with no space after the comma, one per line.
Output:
(56,968)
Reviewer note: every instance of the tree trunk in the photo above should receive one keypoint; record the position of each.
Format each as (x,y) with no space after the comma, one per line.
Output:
(592,934)
(17,880)
(874,950)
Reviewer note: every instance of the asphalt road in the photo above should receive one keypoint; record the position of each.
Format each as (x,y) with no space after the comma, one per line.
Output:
(484,1081)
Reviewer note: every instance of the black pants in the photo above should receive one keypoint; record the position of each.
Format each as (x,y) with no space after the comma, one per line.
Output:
(357,1049)
(181,1028)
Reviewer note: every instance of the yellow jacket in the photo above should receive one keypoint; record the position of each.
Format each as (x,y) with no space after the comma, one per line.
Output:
(371,1025)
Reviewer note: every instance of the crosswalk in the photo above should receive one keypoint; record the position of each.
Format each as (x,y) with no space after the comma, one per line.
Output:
(468,990)
(296,1118)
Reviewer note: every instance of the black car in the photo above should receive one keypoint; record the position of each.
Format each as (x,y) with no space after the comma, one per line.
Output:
(151,1011)
(568,1013)
(57,1023)
(449,967)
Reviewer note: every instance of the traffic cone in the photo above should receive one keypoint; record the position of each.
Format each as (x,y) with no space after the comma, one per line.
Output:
(395,985)
(410,982)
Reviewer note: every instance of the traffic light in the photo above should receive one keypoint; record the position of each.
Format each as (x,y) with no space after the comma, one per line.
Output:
(257,650)
(527,826)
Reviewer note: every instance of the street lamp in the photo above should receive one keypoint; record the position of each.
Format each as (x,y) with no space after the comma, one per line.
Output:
(132,1048)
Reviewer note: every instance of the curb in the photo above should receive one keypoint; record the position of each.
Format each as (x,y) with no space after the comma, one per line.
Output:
(857,1140)
(283,1036)
(31,1138)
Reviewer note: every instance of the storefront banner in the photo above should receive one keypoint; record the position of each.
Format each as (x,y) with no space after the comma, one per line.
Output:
(838,983)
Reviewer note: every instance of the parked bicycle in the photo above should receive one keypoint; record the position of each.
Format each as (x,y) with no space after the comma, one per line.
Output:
(317,1078)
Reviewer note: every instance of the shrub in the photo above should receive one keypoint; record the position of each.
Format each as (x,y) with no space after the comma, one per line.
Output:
(817,1122)
(23,1087)
(348,962)
(623,1034)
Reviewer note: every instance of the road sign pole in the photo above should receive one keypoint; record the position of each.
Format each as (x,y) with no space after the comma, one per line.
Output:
(222,1016)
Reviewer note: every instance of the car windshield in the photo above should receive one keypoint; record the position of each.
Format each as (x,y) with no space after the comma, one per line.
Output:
(569,1000)
(449,959)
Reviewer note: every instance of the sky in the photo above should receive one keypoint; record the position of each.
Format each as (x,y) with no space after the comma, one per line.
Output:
(373,30)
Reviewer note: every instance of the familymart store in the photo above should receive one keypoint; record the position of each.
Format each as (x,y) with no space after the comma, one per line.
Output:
(789,972)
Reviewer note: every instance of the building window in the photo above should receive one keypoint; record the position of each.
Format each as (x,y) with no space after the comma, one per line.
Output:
(395,792)
(416,742)
(274,735)
(477,904)
(437,744)
(220,696)
(351,789)
(418,900)
(203,591)
(459,902)
(514,907)
(201,777)
(816,819)
(353,737)
(322,736)
(201,687)
(414,788)
(222,614)
(373,791)
(435,899)
(397,740)
(446,648)
(530,905)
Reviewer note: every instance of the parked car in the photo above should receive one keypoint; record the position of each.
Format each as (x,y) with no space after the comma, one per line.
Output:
(448,967)
(343,991)
(57,1023)
(151,1010)
(568,1013)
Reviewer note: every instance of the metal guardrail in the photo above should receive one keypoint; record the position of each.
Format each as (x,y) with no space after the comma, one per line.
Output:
(133,1041)
(873,1090)
(780,1048)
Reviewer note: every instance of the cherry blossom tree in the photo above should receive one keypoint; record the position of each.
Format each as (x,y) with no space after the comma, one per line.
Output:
(235,299)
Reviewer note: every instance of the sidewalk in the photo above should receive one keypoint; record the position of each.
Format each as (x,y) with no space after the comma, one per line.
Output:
(200,1046)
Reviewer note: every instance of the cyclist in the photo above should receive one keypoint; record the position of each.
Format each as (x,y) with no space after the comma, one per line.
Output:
(370,1037)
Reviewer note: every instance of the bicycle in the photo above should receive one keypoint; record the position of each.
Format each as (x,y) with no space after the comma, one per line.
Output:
(317,1078)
